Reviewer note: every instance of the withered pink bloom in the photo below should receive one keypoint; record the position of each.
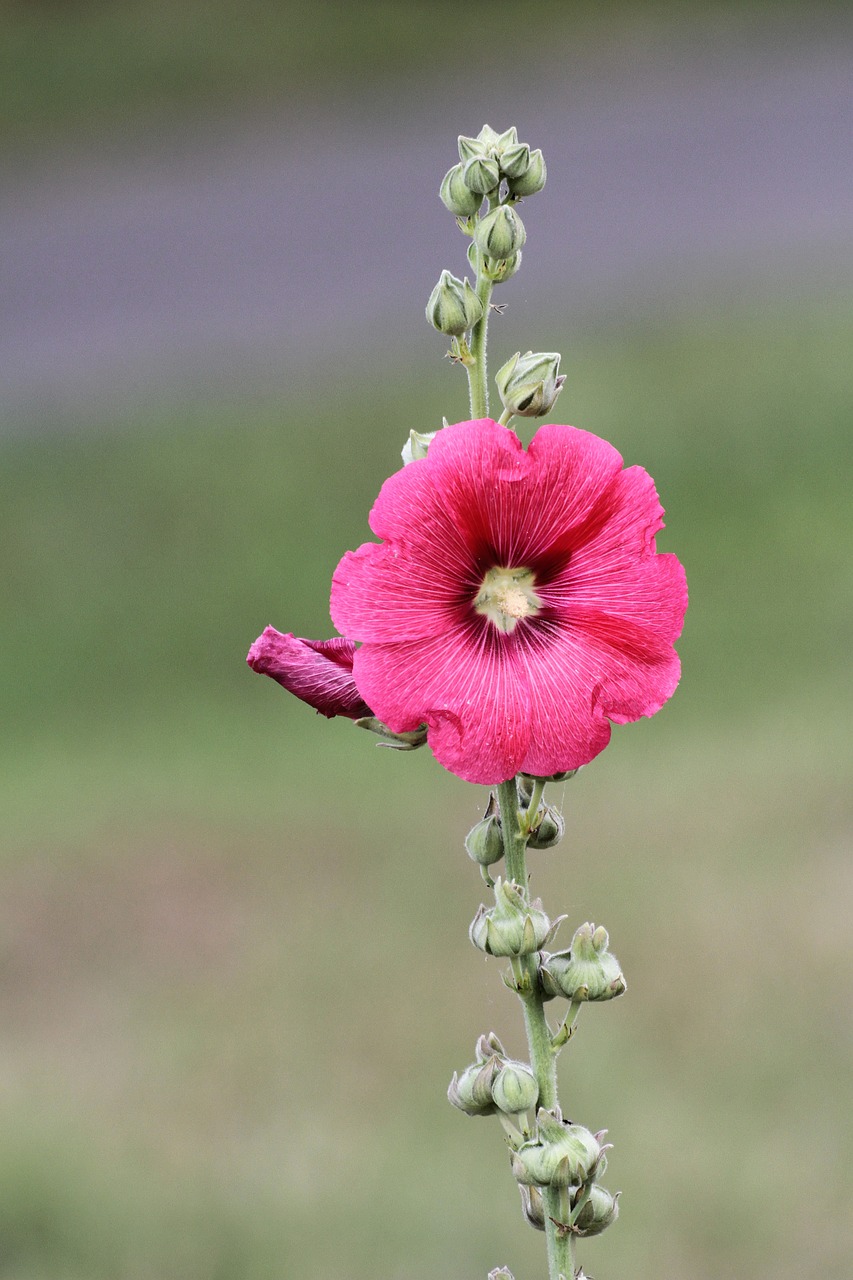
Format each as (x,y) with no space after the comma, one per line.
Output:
(516,604)
(317,671)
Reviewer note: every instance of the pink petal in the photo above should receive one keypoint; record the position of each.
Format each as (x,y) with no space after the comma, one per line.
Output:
(465,687)
(317,671)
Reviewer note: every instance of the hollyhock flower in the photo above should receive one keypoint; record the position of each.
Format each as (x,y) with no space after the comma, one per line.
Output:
(317,671)
(516,604)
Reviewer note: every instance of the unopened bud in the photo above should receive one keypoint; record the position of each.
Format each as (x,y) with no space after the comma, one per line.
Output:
(515,160)
(417,446)
(512,927)
(532,1206)
(456,195)
(481,174)
(501,233)
(502,1273)
(484,842)
(562,1155)
(453,305)
(549,828)
(532,179)
(587,971)
(599,1210)
(529,384)
(515,1089)
(472,1091)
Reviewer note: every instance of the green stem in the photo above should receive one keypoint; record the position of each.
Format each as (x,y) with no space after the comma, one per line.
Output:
(476,367)
(543,1058)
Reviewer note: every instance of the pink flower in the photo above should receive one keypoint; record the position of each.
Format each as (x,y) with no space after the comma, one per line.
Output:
(517,604)
(317,671)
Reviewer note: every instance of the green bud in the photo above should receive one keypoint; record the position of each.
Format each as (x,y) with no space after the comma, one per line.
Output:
(453,305)
(397,741)
(484,842)
(456,195)
(562,1155)
(515,1089)
(532,1206)
(512,927)
(470,147)
(532,179)
(500,233)
(472,1091)
(502,1273)
(599,1210)
(481,174)
(549,828)
(587,971)
(529,384)
(417,445)
(515,160)
(501,269)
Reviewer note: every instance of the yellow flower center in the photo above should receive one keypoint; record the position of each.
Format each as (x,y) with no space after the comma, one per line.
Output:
(506,596)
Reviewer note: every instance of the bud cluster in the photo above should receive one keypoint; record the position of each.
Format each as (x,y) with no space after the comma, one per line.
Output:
(486,163)
(498,170)
(494,1083)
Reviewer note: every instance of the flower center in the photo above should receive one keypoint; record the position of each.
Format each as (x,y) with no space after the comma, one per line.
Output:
(506,596)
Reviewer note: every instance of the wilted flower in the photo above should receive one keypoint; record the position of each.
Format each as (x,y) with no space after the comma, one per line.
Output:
(516,604)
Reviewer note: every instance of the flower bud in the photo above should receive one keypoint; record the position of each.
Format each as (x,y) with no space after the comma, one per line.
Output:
(472,1091)
(470,147)
(481,174)
(515,1089)
(515,160)
(532,1206)
(549,828)
(417,446)
(453,305)
(599,1210)
(457,196)
(532,179)
(500,269)
(562,1155)
(502,1273)
(484,842)
(587,971)
(512,927)
(500,233)
(529,384)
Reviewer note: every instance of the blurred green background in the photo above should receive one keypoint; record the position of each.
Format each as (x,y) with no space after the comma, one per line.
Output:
(235,972)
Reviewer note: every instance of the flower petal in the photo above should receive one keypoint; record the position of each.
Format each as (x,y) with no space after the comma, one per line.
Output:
(465,686)
(317,671)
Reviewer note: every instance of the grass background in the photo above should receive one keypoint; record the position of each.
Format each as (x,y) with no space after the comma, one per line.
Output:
(235,977)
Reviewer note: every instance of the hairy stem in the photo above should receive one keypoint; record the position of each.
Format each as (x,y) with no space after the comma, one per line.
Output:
(476,367)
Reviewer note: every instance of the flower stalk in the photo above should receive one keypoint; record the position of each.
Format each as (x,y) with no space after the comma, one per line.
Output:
(545,614)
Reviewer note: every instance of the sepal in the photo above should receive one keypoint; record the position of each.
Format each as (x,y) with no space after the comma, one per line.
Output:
(397,741)
(532,1206)
(598,1211)
(417,446)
